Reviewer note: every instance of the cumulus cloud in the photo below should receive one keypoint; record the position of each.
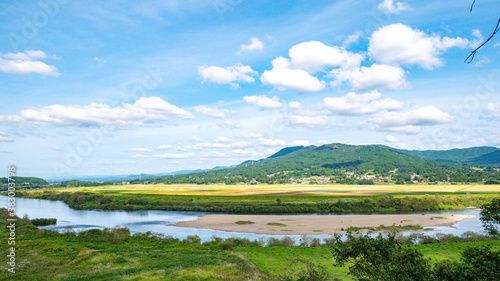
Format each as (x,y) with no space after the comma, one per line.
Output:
(300,143)
(213,111)
(204,145)
(306,59)
(223,139)
(307,121)
(388,6)
(246,153)
(285,78)
(172,156)
(5,138)
(377,76)
(137,156)
(351,39)
(360,104)
(314,56)
(400,44)
(27,63)
(212,154)
(255,45)
(227,75)
(270,142)
(140,149)
(391,138)
(263,101)
(493,109)
(164,147)
(143,111)
(410,122)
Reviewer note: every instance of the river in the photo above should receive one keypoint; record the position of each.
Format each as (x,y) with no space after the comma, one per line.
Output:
(158,221)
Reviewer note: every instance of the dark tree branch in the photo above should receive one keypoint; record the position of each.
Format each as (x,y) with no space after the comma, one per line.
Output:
(473,53)
(472,6)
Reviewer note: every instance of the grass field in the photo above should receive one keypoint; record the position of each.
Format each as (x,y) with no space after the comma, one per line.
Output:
(289,190)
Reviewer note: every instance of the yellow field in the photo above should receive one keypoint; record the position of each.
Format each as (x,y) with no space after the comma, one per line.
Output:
(283,189)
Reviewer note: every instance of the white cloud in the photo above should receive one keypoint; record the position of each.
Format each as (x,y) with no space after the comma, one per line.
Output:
(410,122)
(164,147)
(284,78)
(138,156)
(143,111)
(255,45)
(479,38)
(204,145)
(360,104)
(213,111)
(172,156)
(300,143)
(228,124)
(227,75)
(223,139)
(390,7)
(314,56)
(263,101)
(400,44)
(241,144)
(295,108)
(27,63)
(322,142)
(493,109)
(253,135)
(306,59)
(381,77)
(212,154)
(140,149)
(246,153)
(5,139)
(351,39)
(271,142)
(308,121)
(391,138)
(482,61)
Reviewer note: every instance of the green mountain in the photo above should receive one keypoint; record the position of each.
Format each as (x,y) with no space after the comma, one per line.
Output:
(343,163)
(484,155)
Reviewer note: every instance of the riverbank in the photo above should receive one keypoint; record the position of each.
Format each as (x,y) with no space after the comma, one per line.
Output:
(262,204)
(306,224)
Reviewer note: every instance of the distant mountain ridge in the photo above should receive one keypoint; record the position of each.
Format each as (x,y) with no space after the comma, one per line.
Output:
(482,155)
(343,161)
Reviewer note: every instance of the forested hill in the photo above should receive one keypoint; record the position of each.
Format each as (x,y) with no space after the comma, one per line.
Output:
(340,163)
(484,155)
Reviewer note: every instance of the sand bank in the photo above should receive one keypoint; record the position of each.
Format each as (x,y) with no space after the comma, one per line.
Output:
(316,224)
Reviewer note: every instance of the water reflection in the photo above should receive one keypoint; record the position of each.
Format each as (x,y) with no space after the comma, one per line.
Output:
(158,221)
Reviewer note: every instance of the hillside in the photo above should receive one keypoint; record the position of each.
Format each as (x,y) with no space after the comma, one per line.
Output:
(340,163)
(483,155)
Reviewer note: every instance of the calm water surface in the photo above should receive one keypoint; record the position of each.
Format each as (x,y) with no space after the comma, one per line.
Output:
(158,221)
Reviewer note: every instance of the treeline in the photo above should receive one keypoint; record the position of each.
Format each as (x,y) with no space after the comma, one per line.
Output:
(85,200)
(22,182)
(77,183)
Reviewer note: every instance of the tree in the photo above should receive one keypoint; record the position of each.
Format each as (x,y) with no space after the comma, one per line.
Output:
(490,216)
(380,258)
(470,58)
(476,263)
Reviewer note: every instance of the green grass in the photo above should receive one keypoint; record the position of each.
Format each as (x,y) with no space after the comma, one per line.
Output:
(276,224)
(244,222)
(391,228)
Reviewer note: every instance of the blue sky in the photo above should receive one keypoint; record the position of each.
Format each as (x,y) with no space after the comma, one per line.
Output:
(100,88)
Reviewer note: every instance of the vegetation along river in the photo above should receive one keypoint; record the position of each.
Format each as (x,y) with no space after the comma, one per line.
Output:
(162,221)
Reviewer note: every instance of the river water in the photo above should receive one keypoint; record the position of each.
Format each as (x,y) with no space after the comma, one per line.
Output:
(158,221)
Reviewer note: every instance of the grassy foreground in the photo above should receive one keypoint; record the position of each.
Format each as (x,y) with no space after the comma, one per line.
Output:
(116,255)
